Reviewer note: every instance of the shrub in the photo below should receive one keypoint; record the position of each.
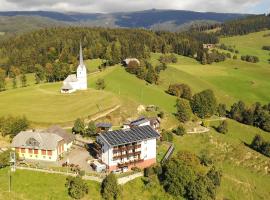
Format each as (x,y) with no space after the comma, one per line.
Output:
(79,126)
(180,130)
(77,187)
(167,136)
(221,110)
(100,84)
(223,127)
(184,111)
(180,90)
(110,188)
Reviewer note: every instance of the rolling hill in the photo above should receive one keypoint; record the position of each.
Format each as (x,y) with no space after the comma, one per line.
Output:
(171,20)
(245,171)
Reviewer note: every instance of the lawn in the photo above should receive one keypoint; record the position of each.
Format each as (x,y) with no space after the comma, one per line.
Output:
(44,104)
(231,80)
(26,185)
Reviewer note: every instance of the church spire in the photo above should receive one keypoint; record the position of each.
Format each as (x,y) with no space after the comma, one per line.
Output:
(81,55)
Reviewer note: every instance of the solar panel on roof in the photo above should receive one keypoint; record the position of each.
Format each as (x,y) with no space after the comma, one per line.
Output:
(135,134)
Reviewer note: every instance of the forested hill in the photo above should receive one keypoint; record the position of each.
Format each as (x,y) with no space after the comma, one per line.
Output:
(61,45)
(241,26)
(170,20)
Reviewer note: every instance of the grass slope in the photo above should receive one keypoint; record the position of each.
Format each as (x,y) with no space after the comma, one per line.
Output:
(250,44)
(28,185)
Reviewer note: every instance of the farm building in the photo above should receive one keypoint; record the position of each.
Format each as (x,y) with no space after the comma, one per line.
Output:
(154,122)
(123,149)
(128,60)
(103,127)
(45,145)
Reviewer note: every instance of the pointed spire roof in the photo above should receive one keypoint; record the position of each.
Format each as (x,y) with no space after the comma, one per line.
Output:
(81,55)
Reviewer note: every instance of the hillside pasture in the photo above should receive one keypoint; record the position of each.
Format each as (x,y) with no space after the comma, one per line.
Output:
(250,44)
(44,104)
(39,186)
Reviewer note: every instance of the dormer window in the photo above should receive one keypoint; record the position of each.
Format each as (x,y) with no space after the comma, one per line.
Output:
(32,142)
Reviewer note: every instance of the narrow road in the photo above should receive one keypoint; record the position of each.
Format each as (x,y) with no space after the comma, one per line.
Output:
(97,116)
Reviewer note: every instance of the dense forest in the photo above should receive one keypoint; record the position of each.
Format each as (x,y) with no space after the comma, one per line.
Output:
(61,45)
(245,25)
(239,26)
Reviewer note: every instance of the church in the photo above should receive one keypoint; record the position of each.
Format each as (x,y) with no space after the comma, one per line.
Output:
(76,81)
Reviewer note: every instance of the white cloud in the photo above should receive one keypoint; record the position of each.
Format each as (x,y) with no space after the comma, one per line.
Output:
(129,5)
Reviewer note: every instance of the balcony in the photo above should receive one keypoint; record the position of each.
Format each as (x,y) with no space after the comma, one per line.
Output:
(115,157)
(126,148)
(133,162)
(97,148)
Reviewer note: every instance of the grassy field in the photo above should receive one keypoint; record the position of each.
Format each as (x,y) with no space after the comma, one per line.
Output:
(28,185)
(231,81)
(250,44)
(244,170)
(44,104)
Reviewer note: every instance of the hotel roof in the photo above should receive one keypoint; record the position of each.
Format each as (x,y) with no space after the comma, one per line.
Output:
(135,134)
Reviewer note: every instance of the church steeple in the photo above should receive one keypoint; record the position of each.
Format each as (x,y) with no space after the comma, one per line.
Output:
(81,55)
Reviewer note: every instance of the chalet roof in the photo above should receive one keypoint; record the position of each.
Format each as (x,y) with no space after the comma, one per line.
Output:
(104,125)
(36,140)
(62,133)
(139,121)
(135,134)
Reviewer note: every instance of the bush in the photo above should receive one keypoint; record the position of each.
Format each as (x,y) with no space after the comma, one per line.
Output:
(110,188)
(184,111)
(79,126)
(149,171)
(221,110)
(180,90)
(167,136)
(248,58)
(223,127)
(180,130)
(260,145)
(77,187)
(100,84)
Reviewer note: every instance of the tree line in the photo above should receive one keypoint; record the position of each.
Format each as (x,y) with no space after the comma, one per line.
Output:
(52,47)
(11,126)
(256,115)
(260,145)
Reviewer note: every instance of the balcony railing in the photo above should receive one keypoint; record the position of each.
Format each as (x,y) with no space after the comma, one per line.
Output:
(133,162)
(115,157)
(126,148)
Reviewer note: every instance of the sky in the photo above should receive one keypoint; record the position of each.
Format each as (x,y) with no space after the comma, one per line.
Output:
(106,6)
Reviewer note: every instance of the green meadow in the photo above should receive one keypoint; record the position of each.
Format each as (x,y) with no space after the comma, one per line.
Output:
(244,170)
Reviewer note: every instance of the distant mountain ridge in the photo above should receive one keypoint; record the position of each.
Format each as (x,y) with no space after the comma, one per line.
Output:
(171,20)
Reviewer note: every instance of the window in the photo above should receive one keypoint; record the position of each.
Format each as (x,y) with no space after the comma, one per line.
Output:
(30,150)
(49,152)
(35,151)
(22,150)
(43,152)
(18,150)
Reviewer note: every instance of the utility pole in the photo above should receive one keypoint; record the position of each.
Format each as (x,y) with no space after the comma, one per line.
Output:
(12,161)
